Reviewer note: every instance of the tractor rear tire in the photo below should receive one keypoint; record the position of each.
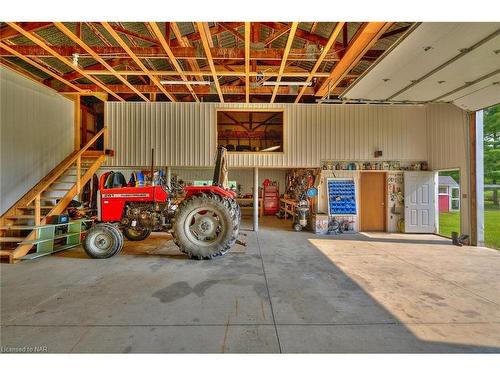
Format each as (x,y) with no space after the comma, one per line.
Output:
(136,234)
(103,241)
(206,225)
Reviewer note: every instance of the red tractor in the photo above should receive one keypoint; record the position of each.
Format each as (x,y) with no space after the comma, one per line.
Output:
(204,225)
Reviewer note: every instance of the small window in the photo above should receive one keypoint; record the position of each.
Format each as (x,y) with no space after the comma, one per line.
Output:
(250,131)
(455,204)
(443,190)
(455,193)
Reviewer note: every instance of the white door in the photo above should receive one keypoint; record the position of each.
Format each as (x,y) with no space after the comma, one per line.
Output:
(420,208)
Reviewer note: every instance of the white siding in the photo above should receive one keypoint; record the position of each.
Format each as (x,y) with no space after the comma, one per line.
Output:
(447,138)
(184,134)
(36,134)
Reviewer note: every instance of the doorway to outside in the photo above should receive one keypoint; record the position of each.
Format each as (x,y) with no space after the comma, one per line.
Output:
(449,202)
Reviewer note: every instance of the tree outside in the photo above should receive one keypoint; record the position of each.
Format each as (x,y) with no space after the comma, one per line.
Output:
(491,138)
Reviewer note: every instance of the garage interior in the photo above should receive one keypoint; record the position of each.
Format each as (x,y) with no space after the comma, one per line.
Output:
(335,135)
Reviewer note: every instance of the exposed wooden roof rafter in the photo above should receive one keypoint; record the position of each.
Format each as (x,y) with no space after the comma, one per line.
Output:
(366,37)
(35,39)
(335,33)
(42,68)
(205,39)
(98,58)
(139,63)
(288,46)
(156,30)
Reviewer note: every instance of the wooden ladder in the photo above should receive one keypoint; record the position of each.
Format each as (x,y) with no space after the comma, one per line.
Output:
(50,196)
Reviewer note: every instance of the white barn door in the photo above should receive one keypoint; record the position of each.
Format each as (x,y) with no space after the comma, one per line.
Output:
(420,198)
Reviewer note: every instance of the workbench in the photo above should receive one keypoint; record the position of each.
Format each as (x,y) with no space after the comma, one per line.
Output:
(243,202)
(288,207)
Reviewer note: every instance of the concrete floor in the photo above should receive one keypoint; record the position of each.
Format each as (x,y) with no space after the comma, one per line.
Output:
(284,292)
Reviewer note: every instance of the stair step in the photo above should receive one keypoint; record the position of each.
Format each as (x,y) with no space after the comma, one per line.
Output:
(17,227)
(21,217)
(63,182)
(33,207)
(50,189)
(11,239)
(6,253)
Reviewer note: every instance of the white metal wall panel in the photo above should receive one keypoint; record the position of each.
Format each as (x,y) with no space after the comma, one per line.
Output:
(447,139)
(36,134)
(243,176)
(184,134)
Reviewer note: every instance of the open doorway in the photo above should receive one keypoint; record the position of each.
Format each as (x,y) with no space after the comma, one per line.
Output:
(449,202)
(91,120)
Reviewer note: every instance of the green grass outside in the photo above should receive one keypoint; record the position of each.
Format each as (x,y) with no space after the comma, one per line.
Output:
(450,221)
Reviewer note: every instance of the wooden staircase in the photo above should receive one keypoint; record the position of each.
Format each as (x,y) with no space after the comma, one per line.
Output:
(50,196)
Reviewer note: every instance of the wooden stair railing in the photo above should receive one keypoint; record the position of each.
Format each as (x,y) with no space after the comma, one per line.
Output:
(34,198)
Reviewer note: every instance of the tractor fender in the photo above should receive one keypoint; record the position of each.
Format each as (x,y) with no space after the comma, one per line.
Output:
(194,190)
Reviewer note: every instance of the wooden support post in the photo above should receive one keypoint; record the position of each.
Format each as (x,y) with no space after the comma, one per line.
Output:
(38,215)
(78,173)
(77,121)
(247,61)
(472,178)
(105,139)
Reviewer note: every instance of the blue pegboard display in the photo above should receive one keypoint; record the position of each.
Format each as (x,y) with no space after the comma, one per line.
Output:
(341,197)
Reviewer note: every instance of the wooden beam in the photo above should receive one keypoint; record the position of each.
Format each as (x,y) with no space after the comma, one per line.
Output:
(42,68)
(335,33)
(206,32)
(184,53)
(23,71)
(345,37)
(366,37)
(247,61)
(96,69)
(184,42)
(222,70)
(139,63)
(395,31)
(157,32)
(96,57)
(199,89)
(98,33)
(472,178)
(301,34)
(31,36)
(77,120)
(132,34)
(213,31)
(206,46)
(231,30)
(7,32)
(288,46)
(275,35)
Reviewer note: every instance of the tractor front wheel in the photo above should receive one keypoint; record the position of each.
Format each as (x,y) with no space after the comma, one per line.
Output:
(206,225)
(133,234)
(103,241)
